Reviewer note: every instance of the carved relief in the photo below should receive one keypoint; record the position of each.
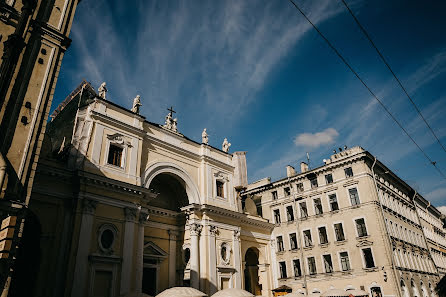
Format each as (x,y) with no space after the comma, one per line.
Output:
(213,230)
(89,206)
(130,214)
(195,229)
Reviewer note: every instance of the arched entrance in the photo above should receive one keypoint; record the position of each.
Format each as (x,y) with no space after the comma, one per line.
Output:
(165,261)
(251,272)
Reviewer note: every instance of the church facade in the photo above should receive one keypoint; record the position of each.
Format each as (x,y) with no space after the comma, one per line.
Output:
(124,205)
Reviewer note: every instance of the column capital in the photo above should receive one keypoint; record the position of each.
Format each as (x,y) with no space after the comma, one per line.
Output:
(130,214)
(195,229)
(89,206)
(173,234)
(236,234)
(213,230)
(143,217)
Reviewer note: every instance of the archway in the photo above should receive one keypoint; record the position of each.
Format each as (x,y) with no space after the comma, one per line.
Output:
(164,259)
(251,272)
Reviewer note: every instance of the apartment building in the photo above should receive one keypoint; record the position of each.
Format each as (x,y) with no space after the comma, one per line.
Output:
(349,224)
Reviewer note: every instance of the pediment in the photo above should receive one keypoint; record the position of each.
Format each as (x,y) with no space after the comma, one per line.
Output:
(152,250)
(364,243)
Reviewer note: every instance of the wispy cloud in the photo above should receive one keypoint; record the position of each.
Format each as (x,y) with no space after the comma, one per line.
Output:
(437,196)
(442,209)
(315,140)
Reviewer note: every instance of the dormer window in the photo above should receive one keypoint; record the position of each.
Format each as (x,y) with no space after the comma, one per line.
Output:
(220,188)
(115,155)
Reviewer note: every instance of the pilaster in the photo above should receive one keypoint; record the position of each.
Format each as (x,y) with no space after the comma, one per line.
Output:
(127,251)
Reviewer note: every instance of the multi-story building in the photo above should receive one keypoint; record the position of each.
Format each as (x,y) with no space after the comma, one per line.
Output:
(33,40)
(349,224)
(433,223)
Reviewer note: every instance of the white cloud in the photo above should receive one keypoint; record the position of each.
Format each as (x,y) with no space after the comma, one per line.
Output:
(314,140)
(442,209)
(437,195)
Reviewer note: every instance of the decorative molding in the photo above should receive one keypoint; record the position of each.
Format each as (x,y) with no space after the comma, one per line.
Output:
(130,214)
(222,176)
(89,206)
(195,229)
(213,230)
(118,139)
(143,217)
(364,243)
(236,234)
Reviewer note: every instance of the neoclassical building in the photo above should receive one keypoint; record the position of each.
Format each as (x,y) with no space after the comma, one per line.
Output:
(125,205)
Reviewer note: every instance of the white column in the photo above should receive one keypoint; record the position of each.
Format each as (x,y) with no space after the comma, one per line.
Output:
(143,216)
(127,250)
(212,260)
(237,260)
(195,230)
(172,257)
(81,267)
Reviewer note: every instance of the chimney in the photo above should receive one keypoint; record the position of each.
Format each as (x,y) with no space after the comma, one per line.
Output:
(290,171)
(303,167)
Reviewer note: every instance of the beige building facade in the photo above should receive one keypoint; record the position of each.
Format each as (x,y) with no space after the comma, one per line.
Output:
(125,205)
(350,224)
(33,40)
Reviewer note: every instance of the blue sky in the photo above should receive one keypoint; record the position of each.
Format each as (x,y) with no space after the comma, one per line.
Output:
(257,73)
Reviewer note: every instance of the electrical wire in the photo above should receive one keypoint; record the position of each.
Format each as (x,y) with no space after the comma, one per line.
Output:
(393,73)
(367,87)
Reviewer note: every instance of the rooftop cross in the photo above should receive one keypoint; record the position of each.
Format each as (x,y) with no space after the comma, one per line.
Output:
(171,110)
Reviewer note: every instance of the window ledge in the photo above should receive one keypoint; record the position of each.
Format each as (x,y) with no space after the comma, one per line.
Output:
(363,237)
(324,244)
(371,269)
(319,215)
(294,250)
(308,247)
(290,222)
(356,205)
(280,252)
(114,167)
(335,211)
(340,242)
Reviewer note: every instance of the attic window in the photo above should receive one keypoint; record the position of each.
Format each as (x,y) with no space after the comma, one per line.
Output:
(115,155)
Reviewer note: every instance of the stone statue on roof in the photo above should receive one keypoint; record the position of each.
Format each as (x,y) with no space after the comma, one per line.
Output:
(102,90)
(204,137)
(136,104)
(225,146)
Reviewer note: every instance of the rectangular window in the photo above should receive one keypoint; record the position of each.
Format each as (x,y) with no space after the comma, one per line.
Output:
(345,262)
(323,239)
(293,241)
(348,172)
(354,197)
(303,210)
(282,267)
(368,258)
(317,206)
(307,238)
(313,182)
(274,193)
(333,201)
(361,228)
(115,155)
(339,231)
(296,266)
(312,265)
(220,188)
(287,191)
(328,264)
(329,178)
(290,213)
(280,244)
(277,216)
(299,187)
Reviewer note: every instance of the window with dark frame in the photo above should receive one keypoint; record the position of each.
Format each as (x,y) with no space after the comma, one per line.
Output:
(293,241)
(274,193)
(299,187)
(348,172)
(323,239)
(361,228)
(307,238)
(220,188)
(282,267)
(312,265)
(296,266)
(329,178)
(303,210)
(333,201)
(339,231)
(290,213)
(354,197)
(345,262)
(115,155)
(313,182)
(280,247)
(328,264)
(368,258)
(287,191)
(318,206)
(277,216)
